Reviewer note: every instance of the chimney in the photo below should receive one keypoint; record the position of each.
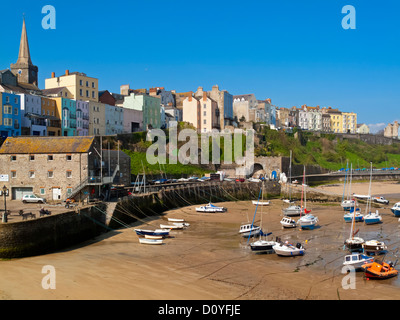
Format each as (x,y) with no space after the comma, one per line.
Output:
(53,74)
(67,72)
(204,96)
(190,98)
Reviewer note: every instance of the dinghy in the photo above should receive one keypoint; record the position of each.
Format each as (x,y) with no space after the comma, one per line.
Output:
(157,232)
(175,220)
(260,203)
(288,249)
(150,241)
(171,226)
(379,270)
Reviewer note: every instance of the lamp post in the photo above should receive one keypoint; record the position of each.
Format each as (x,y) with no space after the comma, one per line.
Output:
(5,191)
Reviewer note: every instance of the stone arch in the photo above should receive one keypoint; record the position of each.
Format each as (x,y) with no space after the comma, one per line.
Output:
(257,168)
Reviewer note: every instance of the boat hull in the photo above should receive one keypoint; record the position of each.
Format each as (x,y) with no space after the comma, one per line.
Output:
(262,245)
(396,212)
(355,244)
(288,251)
(261,203)
(142,232)
(150,241)
(288,223)
(378,272)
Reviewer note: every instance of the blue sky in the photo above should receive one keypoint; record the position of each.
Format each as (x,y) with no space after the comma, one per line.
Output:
(294,52)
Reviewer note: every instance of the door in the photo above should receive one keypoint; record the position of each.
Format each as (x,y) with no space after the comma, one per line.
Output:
(18,192)
(56,193)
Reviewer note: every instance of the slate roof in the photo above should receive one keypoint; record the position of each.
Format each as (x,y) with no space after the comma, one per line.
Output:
(36,145)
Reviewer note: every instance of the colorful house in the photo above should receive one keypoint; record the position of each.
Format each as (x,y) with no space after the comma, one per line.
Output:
(10,115)
(149,105)
(67,109)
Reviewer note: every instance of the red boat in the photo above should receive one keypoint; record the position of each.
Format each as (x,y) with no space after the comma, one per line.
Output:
(379,270)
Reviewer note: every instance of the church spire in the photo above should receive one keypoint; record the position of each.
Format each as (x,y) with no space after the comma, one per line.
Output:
(24,56)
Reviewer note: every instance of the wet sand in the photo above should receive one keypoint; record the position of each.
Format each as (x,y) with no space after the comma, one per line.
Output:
(208,261)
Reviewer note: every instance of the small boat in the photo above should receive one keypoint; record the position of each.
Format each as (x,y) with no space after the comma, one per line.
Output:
(292,211)
(157,232)
(356,260)
(354,243)
(288,201)
(361,196)
(288,222)
(308,222)
(348,204)
(175,220)
(373,218)
(379,270)
(374,246)
(396,209)
(358,217)
(147,236)
(287,249)
(210,208)
(249,229)
(262,245)
(260,203)
(181,224)
(150,241)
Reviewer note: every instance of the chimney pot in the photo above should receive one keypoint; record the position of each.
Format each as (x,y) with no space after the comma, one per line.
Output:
(53,74)
(67,72)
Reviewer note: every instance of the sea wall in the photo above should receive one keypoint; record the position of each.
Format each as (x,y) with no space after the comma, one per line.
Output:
(50,233)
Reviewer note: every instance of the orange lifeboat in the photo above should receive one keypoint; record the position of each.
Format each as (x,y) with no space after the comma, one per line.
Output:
(379,270)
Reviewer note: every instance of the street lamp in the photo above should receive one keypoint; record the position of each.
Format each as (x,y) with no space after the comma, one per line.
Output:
(5,192)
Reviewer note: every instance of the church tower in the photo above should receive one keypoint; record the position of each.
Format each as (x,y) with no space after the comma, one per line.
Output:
(23,69)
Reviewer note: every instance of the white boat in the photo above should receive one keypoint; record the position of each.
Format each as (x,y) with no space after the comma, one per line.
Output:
(357,216)
(181,224)
(150,241)
(288,222)
(374,246)
(210,208)
(361,196)
(176,220)
(356,260)
(292,211)
(260,203)
(147,236)
(288,249)
(287,201)
(354,243)
(373,218)
(262,245)
(348,204)
(308,221)
(396,209)
(249,230)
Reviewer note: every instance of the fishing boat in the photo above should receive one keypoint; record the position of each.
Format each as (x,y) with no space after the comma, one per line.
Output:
(396,209)
(373,218)
(210,208)
(288,222)
(380,270)
(374,246)
(157,232)
(150,241)
(288,250)
(249,230)
(356,260)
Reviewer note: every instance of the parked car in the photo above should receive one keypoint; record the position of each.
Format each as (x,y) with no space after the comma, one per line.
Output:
(381,200)
(32,198)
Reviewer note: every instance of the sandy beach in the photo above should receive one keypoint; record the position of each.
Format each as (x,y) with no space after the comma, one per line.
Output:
(210,261)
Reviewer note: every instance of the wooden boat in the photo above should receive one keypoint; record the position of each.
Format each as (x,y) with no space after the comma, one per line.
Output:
(356,260)
(150,241)
(288,249)
(379,270)
(157,232)
(249,230)
(210,208)
(374,246)
(288,222)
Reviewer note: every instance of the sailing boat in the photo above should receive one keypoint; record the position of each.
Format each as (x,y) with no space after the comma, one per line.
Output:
(371,217)
(349,203)
(292,210)
(249,229)
(354,243)
(308,221)
(262,245)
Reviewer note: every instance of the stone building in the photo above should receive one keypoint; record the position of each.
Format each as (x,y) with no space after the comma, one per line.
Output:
(57,168)
(392,130)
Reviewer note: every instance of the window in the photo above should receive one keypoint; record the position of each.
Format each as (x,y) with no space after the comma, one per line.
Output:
(87,93)
(69,157)
(69,191)
(87,83)
(15,111)
(80,92)
(93,94)
(7,109)
(31,174)
(13,174)
(31,158)
(81,82)
(42,191)
(50,157)
(92,84)
(50,174)
(69,174)
(13,158)
(8,122)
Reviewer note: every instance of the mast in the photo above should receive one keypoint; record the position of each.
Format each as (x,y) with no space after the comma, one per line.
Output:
(290,177)
(351,176)
(369,193)
(302,190)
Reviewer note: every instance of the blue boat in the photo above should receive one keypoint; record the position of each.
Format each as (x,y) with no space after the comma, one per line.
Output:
(308,222)
(373,218)
(157,232)
(396,209)
(358,217)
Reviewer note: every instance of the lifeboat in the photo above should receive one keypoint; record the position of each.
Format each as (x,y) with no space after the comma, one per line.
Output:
(379,270)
